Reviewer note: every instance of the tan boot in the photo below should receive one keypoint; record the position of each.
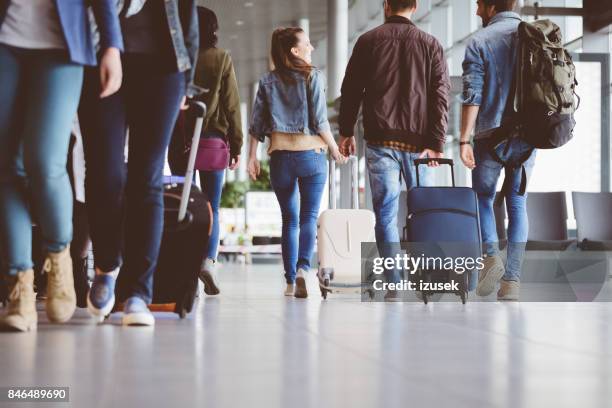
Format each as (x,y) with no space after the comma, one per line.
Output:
(489,276)
(509,290)
(21,314)
(61,296)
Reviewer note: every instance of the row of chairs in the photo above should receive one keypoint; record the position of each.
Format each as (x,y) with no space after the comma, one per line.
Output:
(548,215)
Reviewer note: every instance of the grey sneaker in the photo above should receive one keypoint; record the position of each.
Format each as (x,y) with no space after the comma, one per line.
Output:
(208,276)
(509,290)
(489,276)
(300,284)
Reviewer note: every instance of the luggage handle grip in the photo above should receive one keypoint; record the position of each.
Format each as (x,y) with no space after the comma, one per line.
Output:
(353,161)
(420,162)
(199,109)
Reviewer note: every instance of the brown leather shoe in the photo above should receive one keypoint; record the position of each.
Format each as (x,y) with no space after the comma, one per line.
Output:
(61,296)
(21,314)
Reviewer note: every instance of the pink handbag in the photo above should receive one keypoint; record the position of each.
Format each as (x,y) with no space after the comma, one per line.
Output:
(213,154)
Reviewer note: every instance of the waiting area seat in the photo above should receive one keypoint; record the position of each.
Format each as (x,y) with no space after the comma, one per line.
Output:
(547,222)
(593,219)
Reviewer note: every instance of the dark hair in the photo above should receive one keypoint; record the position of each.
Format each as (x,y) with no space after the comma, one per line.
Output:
(285,63)
(207,19)
(501,5)
(397,5)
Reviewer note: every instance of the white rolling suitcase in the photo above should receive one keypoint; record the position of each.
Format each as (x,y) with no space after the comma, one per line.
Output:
(340,233)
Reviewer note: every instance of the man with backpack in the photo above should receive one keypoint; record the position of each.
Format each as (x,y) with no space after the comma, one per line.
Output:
(519,91)
(488,80)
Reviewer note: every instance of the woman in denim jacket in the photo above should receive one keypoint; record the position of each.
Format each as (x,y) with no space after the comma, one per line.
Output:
(291,109)
(43,48)
(125,202)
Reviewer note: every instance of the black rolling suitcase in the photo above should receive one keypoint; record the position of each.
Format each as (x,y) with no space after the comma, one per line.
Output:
(187,228)
(443,222)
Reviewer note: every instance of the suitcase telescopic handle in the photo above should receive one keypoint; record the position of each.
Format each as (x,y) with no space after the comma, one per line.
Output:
(420,162)
(353,162)
(199,110)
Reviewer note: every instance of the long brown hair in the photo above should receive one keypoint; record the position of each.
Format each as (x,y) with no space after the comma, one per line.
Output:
(285,63)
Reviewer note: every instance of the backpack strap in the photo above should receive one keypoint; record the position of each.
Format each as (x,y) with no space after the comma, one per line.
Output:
(509,168)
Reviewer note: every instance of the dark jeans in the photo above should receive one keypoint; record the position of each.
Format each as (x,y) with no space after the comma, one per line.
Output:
(126,210)
(298,179)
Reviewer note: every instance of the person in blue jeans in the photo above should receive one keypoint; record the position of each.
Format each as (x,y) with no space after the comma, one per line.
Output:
(43,48)
(488,72)
(125,201)
(398,75)
(214,72)
(291,108)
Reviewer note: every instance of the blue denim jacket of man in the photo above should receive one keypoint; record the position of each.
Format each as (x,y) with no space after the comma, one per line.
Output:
(289,108)
(75,25)
(488,69)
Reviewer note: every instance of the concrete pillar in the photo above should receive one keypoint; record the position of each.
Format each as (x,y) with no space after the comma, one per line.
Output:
(337,45)
(337,59)
(242,168)
(304,24)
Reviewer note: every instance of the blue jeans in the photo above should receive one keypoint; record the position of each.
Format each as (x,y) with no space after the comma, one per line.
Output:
(484,180)
(39,95)
(125,203)
(298,179)
(386,168)
(212,184)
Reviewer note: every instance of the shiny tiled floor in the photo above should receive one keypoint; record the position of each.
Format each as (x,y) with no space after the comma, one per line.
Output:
(251,347)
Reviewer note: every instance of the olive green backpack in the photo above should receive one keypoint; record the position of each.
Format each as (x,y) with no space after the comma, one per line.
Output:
(541,109)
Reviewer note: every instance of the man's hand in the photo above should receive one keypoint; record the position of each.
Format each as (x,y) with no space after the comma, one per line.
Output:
(111,73)
(347,145)
(431,154)
(467,156)
(234,162)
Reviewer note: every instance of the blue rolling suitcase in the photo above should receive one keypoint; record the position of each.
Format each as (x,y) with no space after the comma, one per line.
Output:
(444,222)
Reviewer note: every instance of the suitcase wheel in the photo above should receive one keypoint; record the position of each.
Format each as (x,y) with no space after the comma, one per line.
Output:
(324,293)
(425,298)
(182,313)
(464,296)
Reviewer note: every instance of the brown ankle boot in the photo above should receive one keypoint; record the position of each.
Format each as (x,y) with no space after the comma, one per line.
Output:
(61,297)
(21,314)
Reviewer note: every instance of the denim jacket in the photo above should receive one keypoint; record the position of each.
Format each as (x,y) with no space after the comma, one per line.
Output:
(184,30)
(289,108)
(488,69)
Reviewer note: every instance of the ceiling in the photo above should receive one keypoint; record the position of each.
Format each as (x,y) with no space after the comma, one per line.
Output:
(246,27)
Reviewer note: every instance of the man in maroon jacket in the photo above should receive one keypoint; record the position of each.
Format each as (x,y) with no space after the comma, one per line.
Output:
(399,74)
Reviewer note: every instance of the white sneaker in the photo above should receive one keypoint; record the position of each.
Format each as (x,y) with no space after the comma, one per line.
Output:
(136,313)
(300,284)
(290,289)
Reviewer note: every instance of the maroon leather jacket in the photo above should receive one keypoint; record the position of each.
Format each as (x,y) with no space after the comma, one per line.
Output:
(400,75)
